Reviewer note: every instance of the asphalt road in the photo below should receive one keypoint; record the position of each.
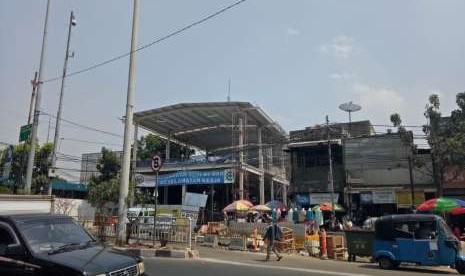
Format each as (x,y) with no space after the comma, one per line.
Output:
(225,263)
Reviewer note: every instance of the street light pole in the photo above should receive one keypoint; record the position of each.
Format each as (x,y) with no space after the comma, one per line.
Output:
(124,180)
(72,22)
(35,124)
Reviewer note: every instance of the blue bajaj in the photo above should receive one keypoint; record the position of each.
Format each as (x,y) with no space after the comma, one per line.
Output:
(416,238)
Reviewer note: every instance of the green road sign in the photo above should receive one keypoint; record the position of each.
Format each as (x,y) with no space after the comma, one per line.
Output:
(25,132)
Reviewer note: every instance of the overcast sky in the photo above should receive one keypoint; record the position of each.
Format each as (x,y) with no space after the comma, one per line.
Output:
(296,59)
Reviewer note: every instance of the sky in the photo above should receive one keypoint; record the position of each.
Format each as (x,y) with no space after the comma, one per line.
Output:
(296,59)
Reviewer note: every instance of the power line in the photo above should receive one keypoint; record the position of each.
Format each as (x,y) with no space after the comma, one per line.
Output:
(91,142)
(195,23)
(84,126)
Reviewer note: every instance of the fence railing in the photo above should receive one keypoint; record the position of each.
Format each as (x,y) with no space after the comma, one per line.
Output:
(142,229)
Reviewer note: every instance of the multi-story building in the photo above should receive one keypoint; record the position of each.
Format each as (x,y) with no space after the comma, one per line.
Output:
(89,165)
(308,149)
(382,174)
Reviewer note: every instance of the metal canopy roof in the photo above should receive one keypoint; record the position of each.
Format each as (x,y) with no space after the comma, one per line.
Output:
(209,125)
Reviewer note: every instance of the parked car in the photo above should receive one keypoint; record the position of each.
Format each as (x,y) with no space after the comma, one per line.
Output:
(414,238)
(57,245)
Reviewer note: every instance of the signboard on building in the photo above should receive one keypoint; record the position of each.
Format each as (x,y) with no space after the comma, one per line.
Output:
(366,198)
(211,177)
(197,200)
(404,198)
(384,197)
(319,198)
(302,199)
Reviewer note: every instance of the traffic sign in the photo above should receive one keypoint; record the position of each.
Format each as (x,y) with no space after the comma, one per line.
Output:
(156,162)
(25,132)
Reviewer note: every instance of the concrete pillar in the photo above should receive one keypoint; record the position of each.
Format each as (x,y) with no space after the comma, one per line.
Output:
(285,194)
(184,190)
(261,167)
(167,157)
(241,158)
(168,147)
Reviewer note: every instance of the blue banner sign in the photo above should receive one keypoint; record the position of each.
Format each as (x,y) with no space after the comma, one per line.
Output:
(196,177)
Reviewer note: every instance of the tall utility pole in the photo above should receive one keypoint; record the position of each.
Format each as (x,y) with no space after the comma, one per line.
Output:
(72,22)
(330,173)
(412,186)
(124,181)
(35,124)
(33,97)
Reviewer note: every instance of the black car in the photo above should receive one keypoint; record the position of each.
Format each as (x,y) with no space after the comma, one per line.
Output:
(58,245)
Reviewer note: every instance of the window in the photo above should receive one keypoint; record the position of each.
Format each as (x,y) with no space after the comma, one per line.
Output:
(404,230)
(6,238)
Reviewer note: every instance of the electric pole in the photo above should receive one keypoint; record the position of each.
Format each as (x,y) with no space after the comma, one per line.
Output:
(412,186)
(330,173)
(72,22)
(124,180)
(35,124)
(33,97)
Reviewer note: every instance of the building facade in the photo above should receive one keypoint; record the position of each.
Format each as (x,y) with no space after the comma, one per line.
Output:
(89,165)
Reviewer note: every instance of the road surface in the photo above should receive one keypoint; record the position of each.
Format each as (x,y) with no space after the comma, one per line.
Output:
(226,263)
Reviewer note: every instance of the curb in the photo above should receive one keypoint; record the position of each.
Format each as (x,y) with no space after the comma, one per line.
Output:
(162,252)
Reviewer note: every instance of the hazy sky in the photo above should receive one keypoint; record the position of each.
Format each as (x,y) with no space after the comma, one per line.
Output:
(298,60)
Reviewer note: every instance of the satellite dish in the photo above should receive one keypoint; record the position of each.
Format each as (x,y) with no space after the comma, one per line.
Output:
(350,107)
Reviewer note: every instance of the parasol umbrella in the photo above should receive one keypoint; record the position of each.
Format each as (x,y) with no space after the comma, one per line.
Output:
(275,204)
(443,204)
(261,208)
(238,205)
(326,206)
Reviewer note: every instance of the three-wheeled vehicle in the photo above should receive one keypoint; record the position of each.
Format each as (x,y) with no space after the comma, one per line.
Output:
(416,238)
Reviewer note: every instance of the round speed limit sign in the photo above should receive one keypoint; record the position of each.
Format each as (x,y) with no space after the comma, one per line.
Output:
(156,162)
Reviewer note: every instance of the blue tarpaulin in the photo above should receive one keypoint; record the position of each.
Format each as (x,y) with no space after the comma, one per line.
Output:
(69,186)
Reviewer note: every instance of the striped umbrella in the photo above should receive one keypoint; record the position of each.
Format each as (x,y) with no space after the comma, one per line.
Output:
(443,205)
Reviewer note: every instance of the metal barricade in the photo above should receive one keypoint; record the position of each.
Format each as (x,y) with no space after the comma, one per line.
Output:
(167,229)
(142,229)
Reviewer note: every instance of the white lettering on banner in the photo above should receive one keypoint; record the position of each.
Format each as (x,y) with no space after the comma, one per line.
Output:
(322,198)
(384,197)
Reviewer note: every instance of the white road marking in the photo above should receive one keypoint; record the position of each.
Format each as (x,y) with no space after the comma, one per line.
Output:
(296,269)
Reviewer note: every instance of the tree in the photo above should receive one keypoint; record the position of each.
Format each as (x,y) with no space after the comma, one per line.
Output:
(19,165)
(109,165)
(104,188)
(445,135)
(150,144)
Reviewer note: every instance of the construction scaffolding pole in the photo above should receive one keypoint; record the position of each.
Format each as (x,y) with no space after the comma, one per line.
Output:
(261,167)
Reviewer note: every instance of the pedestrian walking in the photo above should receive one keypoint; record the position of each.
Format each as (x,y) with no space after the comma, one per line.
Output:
(273,233)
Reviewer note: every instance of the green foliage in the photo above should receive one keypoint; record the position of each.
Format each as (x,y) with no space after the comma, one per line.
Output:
(105,188)
(142,198)
(150,144)
(109,165)
(19,163)
(405,136)
(446,136)
(4,190)
(103,192)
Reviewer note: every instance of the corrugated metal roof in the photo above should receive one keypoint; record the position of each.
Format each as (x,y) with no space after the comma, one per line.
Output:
(208,125)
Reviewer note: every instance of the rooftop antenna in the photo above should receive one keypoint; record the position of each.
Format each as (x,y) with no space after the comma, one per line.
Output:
(349,108)
(229,90)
